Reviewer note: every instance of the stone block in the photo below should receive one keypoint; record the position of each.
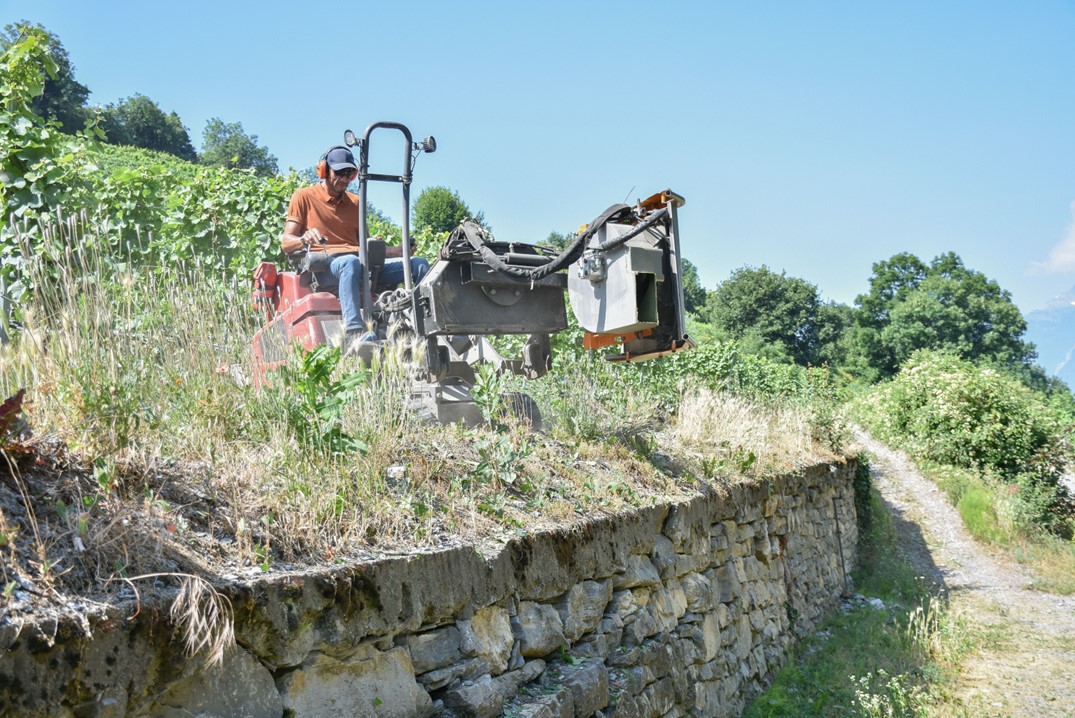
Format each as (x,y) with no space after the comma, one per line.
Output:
(659,698)
(710,637)
(508,683)
(726,583)
(668,604)
(588,685)
(624,605)
(762,667)
(748,513)
(730,529)
(488,636)
(582,607)
(477,699)
(677,599)
(690,635)
(657,660)
(737,550)
(678,525)
(542,630)
(718,547)
(638,571)
(763,550)
(722,615)
(664,556)
(112,703)
(432,649)
(743,638)
(756,570)
(465,670)
(382,684)
(625,656)
(644,625)
(604,641)
(240,686)
(628,706)
(740,570)
(553,705)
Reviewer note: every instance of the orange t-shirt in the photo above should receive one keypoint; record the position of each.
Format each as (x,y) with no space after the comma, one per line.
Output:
(337,218)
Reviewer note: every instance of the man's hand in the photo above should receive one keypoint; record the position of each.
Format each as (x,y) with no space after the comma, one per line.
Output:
(313,236)
(295,239)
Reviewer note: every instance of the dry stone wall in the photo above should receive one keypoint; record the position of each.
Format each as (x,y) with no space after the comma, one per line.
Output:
(680,609)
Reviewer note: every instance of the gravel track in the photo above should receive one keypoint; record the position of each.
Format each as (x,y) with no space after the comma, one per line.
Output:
(1025,665)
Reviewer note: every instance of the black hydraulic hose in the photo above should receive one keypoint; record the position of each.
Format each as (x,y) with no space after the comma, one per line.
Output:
(564,259)
(642,227)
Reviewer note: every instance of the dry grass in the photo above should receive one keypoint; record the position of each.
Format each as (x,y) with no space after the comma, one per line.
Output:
(734,435)
(1051,560)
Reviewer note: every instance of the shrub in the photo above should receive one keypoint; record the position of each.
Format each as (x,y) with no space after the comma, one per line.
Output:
(950,411)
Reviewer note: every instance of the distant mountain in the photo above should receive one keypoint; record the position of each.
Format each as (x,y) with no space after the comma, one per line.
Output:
(1052,329)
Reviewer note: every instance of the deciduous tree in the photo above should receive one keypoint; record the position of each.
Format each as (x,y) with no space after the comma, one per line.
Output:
(441,209)
(694,294)
(941,306)
(140,122)
(559,240)
(227,145)
(759,306)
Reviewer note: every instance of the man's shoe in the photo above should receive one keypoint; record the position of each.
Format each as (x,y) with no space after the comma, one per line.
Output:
(360,343)
(361,336)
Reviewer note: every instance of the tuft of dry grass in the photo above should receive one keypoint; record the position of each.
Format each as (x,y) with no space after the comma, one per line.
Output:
(205,617)
(738,436)
(201,613)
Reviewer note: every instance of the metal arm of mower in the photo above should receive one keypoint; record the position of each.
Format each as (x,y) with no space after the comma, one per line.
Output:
(404,179)
(624,280)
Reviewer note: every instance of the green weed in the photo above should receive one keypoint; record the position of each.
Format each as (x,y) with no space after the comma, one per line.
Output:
(488,393)
(997,514)
(316,398)
(883,696)
(952,412)
(977,510)
(501,459)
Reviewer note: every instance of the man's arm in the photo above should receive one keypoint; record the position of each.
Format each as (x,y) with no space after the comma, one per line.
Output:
(295,238)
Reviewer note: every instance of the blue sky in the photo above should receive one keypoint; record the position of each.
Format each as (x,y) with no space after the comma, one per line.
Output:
(814,138)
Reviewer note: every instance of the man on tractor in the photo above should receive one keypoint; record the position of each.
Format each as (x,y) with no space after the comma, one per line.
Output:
(323,218)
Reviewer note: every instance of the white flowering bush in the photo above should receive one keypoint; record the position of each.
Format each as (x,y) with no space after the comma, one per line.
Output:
(949,411)
(957,413)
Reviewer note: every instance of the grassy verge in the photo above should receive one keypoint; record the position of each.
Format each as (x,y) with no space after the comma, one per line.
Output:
(891,654)
(994,516)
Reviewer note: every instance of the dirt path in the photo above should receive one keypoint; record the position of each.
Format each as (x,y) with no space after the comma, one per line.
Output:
(1024,661)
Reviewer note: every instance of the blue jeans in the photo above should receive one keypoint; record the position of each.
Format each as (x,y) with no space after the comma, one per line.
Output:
(346,272)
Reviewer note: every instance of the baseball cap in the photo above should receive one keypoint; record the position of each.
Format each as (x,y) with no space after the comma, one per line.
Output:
(339,159)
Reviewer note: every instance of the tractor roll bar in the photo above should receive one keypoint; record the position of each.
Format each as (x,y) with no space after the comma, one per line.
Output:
(364,178)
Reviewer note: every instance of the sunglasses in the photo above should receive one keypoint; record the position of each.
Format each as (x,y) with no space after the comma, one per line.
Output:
(349,173)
